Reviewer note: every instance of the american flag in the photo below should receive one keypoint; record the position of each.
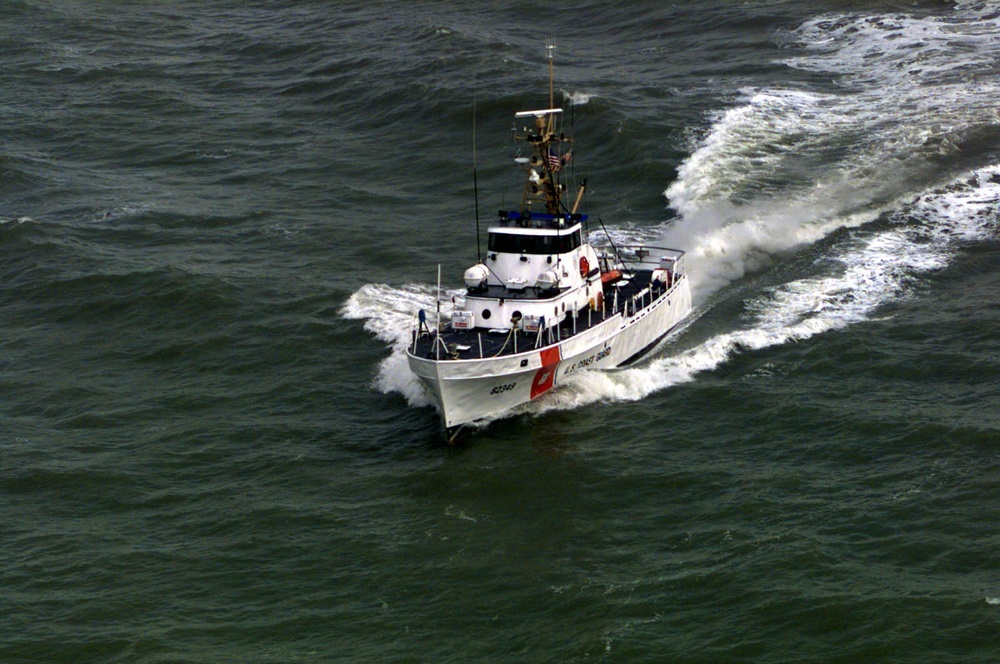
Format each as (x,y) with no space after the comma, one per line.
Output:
(554,161)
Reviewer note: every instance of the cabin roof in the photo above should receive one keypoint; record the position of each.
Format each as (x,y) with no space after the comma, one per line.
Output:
(514,230)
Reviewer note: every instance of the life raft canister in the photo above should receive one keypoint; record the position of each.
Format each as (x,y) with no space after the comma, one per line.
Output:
(584,266)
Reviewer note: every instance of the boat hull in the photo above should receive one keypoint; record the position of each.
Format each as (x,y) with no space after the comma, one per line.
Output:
(469,390)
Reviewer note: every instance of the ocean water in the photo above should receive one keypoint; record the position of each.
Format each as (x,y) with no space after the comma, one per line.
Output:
(218,220)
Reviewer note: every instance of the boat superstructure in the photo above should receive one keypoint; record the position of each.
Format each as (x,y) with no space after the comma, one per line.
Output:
(543,304)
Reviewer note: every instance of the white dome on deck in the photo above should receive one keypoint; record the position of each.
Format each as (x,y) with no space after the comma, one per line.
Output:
(547,279)
(475,276)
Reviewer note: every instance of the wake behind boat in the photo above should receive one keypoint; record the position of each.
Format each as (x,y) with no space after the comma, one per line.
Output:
(544,304)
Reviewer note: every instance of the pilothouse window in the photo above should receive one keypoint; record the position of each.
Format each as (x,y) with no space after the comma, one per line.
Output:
(511,243)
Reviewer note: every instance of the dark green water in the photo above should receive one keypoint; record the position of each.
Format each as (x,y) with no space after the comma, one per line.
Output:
(217,221)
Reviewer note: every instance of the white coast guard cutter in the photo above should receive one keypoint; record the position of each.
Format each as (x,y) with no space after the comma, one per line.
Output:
(544,304)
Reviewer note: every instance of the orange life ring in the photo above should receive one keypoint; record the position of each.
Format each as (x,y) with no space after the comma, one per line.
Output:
(584,266)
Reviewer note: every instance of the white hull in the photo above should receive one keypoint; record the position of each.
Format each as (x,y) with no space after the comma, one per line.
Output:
(468,390)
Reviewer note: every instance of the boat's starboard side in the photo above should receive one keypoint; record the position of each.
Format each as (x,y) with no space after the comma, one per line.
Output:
(476,389)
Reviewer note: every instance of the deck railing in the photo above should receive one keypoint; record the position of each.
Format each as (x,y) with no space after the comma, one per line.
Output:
(631,255)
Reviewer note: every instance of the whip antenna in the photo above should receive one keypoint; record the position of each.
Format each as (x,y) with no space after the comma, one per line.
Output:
(550,47)
(475,178)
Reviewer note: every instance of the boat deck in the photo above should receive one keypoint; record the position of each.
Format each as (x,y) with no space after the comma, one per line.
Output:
(628,296)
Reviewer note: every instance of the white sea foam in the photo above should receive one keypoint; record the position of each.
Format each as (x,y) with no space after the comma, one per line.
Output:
(867,273)
(784,168)
(388,311)
(626,235)
(576,98)
(390,314)
(901,49)
(773,175)
(967,209)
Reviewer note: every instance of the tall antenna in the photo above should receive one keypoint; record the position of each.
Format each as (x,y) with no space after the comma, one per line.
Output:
(475,179)
(550,47)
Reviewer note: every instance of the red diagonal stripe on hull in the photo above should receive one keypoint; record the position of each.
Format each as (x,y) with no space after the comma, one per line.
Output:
(545,378)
